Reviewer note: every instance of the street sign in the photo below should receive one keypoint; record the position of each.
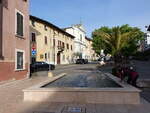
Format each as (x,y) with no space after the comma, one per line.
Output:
(34,52)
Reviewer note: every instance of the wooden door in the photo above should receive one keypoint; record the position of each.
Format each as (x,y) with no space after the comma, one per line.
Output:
(58,58)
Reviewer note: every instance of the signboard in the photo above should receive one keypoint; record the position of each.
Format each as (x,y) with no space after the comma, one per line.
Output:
(34,52)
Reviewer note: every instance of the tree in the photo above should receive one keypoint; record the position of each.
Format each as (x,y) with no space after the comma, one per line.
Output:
(117,41)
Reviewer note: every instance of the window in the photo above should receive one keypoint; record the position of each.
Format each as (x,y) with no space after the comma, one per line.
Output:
(58,43)
(4,2)
(19,24)
(63,45)
(33,23)
(53,42)
(33,36)
(80,37)
(41,56)
(20,60)
(71,47)
(45,40)
(45,56)
(67,46)
(45,27)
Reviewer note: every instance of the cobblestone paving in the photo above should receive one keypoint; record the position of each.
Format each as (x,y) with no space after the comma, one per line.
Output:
(11,97)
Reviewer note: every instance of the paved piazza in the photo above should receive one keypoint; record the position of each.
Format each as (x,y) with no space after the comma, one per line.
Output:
(11,97)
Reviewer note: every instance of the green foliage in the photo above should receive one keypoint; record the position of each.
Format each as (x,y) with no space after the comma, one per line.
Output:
(98,42)
(121,40)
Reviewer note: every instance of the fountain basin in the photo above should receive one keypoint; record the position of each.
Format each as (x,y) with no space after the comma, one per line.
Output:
(123,94)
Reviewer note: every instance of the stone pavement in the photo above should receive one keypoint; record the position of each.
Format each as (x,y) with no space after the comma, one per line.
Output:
(143,68)
(11,100)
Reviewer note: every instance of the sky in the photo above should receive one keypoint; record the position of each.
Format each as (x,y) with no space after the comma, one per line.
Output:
(93,14)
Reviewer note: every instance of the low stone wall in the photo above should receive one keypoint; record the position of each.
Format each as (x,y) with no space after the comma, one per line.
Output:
(125,95)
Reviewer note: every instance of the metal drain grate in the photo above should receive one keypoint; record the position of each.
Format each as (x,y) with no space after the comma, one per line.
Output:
(69,109)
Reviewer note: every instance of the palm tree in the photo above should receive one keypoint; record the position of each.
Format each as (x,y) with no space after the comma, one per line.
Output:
(117,40)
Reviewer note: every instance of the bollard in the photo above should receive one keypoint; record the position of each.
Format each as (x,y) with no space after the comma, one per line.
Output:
(50,74)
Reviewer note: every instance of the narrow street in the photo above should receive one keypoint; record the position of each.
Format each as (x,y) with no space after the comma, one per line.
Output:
(69,69)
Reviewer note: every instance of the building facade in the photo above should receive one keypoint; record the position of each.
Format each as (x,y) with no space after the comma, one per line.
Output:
(79,33)
(89,52)
(14,39)
(49,43)
(147,39)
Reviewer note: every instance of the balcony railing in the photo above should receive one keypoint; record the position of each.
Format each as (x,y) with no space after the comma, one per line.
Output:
(60,49)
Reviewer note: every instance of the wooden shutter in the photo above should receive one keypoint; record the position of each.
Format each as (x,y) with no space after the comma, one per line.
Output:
(19,24)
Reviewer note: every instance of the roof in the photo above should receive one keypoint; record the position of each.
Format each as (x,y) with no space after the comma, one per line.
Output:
(79,26)
(66,28)
(89,39)
(51,25)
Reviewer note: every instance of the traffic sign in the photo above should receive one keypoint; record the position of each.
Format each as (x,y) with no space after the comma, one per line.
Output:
(33,52)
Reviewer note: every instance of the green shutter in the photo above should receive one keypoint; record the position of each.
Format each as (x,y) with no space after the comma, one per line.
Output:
(19,24)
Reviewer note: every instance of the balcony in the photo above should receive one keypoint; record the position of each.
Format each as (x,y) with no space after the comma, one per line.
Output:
(60,49)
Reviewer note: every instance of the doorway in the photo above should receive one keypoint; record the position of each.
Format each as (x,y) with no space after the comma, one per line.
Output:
(58,58)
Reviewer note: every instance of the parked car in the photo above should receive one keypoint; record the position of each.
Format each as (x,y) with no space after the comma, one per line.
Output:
(86,61)
(41,66)
(81,61)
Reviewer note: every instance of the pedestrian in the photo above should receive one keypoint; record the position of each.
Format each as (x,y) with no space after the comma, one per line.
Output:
(120,73)
(133,76)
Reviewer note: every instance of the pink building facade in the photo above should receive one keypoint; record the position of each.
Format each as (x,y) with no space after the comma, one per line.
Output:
(14,39)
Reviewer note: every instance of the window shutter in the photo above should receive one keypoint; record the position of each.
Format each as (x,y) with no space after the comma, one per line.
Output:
(19,24)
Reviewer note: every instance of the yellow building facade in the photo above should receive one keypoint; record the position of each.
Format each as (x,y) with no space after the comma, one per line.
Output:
(49,43)
(89,52)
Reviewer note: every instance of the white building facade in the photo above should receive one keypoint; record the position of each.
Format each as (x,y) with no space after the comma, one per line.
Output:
(147,39)
(79,33)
